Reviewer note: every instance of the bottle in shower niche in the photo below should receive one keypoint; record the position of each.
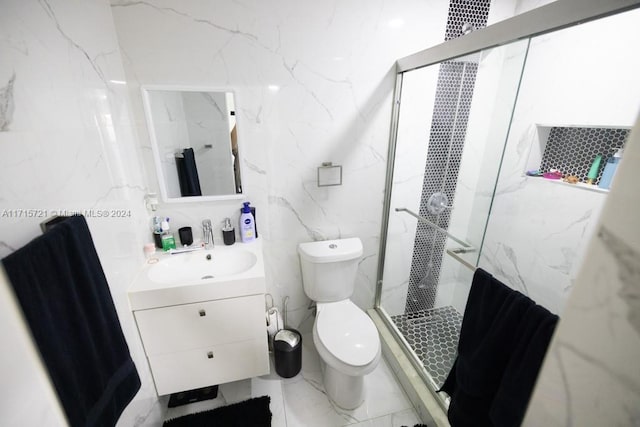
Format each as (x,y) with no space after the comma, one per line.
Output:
(610,169)
(247,224)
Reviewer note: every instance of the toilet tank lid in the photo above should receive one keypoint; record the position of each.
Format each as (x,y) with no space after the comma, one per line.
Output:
(331,250)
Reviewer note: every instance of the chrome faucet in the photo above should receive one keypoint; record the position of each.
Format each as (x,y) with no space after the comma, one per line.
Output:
(207,233)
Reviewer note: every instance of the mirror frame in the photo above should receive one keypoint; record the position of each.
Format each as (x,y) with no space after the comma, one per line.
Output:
(162,185)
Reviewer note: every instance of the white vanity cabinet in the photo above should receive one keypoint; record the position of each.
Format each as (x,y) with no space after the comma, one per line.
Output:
(204,343)
(201,316)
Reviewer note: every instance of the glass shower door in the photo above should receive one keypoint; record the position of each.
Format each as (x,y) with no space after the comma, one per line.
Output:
(452,126)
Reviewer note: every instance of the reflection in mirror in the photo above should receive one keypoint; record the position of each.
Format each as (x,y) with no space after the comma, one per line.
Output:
(195,142)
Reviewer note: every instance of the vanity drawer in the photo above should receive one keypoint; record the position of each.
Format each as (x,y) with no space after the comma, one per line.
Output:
(191,326)
(204,367)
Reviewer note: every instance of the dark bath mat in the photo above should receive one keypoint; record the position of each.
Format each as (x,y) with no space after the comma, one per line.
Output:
(250,413)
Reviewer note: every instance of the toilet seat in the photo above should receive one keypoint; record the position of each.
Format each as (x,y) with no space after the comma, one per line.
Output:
(348,335)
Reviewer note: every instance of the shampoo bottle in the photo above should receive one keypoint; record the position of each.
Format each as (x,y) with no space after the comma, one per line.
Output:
(593,171)
(247,224)
(610,170)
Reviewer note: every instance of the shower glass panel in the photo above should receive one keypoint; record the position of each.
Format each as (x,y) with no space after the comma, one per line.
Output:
(573,107)
(452,126)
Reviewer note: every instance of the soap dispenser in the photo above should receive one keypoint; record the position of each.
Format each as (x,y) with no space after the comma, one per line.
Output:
(156,228)
(228,233)
(610,169)
(247,224)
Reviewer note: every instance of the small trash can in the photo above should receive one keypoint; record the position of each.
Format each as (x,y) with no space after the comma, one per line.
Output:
(287,348)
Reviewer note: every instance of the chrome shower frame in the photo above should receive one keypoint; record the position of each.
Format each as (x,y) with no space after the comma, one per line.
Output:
(545,19)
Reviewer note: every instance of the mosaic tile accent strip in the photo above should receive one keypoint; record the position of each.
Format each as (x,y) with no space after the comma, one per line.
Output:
(454,91)
(433,336)
(572,150)
(466,15)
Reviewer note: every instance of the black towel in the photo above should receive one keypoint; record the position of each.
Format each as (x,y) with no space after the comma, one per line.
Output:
(503,339)
(59,282)
(511,400)
(188,174)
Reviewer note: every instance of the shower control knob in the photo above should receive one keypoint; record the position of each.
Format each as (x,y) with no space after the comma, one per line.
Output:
(437,203)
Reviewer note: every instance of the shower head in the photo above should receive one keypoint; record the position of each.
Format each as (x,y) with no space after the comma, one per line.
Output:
(467,28)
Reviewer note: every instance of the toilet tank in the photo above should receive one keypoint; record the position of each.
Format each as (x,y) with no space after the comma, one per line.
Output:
(329,268)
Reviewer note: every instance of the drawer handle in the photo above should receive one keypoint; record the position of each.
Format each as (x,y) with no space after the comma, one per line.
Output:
(202,313)
(210,355)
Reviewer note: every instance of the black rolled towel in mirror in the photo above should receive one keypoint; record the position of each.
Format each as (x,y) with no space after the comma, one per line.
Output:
(188,173)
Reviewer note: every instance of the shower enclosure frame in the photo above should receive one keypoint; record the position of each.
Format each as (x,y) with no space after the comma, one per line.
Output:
(545,19)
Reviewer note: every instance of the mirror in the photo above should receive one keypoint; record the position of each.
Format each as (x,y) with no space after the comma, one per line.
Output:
(194,138)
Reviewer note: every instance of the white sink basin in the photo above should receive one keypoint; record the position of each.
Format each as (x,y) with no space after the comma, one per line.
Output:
(183,278)
(201,265)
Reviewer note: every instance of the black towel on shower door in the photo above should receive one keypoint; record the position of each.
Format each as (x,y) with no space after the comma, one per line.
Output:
(188,174)
(516,386)
(59,283)
(503,340)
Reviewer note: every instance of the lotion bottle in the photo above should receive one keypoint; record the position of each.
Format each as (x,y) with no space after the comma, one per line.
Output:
(247,224)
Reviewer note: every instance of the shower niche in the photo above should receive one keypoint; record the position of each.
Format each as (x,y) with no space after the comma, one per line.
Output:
(571,150)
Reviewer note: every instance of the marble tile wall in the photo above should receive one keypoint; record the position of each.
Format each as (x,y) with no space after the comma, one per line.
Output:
(68,144)
(538,230)
(590,374)
(313,83)
(28,397)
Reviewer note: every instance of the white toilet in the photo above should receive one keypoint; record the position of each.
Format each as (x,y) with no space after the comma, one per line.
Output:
(345,337)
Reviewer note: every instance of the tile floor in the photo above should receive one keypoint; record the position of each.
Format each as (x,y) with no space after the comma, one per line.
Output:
(433,335)
(301,401)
